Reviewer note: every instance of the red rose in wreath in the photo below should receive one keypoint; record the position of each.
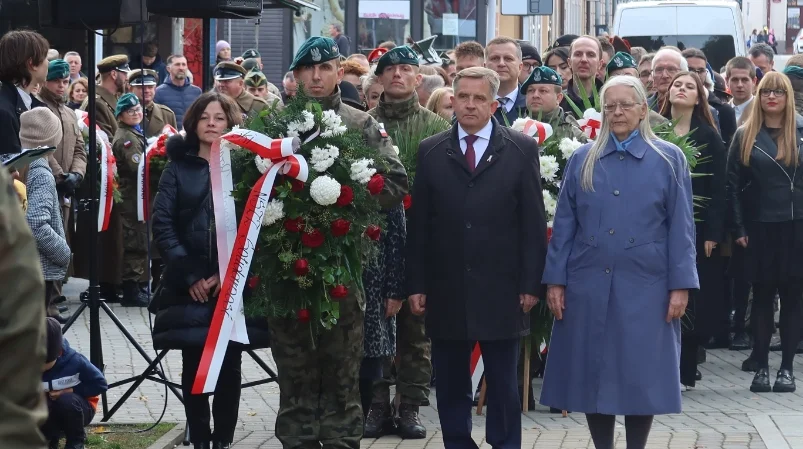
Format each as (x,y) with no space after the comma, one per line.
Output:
(294,225)
(340,227)
(312,239)
(339,292)
(376,184)
(373,232)
(346,196)
(408,201)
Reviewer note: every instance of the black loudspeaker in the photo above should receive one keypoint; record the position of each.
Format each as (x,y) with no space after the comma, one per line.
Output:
(91,14)
(207,9)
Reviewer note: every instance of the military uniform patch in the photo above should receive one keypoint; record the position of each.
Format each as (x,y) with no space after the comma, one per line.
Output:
(127,144)
(135,157)
(316,54)
(381,128)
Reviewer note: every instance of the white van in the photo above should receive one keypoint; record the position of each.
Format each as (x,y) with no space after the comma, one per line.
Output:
(713,26)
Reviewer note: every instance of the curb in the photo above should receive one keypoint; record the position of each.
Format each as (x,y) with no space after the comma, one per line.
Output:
(171,439)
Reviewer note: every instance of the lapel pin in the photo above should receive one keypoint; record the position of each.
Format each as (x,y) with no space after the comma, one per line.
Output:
(490,157)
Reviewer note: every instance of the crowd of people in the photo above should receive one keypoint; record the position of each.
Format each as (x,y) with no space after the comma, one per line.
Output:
(651,258)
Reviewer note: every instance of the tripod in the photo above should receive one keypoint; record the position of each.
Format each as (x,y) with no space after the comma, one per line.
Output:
(91,298)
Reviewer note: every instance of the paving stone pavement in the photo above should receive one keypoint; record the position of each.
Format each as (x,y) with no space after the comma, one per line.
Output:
(720,413)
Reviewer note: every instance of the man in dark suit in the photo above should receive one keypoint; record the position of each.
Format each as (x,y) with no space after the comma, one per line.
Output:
(476,250)
(23,67)
(503,56)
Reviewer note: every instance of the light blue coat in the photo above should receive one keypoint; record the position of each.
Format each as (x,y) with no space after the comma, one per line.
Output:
(619,250)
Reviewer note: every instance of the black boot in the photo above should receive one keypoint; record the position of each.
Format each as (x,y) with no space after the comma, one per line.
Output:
(750,364)
(740,342)
(219,445)
(379,421)
(109,292)
(761,382)
(784,382)
(204,445)
(410,426)
(133,296)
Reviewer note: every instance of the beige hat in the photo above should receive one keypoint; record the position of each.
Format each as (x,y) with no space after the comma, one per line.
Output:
(39,127)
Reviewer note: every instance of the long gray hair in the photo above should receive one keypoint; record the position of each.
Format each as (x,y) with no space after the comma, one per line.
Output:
(594,153)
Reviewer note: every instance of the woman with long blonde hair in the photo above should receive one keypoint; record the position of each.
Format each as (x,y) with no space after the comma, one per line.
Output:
(765,184)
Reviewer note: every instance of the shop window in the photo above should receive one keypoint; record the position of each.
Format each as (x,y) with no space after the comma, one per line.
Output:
(453,21)
(318,23)
(383,20)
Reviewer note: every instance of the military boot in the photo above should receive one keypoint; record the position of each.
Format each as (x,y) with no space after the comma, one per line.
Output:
(410,426)
(133,296)
(379,421)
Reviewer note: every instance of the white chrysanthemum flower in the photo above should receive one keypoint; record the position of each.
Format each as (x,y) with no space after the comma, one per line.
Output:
(263,165)
(396,149)
(308,123)
(549,168)
(274,212)
(518,125)
(292,129)
(569,146)
(361,171)
(324,190)
(333,125)
(550,203)
(323,158)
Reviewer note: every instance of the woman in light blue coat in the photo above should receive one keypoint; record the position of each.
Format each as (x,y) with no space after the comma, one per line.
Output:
(619,268)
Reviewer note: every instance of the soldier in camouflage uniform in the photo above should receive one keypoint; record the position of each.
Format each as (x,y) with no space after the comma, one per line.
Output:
(544,94)
(399,112)
(318,381)
(143,85)
(128,147)
(230,81)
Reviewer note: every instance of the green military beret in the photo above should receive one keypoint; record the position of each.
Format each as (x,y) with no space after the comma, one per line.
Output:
(315,50)
(255,78)
(228,70)
(139,77)
(57,69)
(125,103)
(249,64)
(541,75)
(251,53)
(114,62)
(396,56)
(793,70)
(621,60)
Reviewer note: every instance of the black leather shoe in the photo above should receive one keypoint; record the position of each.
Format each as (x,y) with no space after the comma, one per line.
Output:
(62,309)
(410,426)
(750,365)
(698,375)
(740,342)
(761,382)
(784,382)
(219,445)
(379,421)
(206,445)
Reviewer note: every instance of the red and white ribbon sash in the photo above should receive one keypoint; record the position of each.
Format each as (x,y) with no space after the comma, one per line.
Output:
(590,123)
(236,250)
(477,367)
(144,171)
(107,162)
(537,130)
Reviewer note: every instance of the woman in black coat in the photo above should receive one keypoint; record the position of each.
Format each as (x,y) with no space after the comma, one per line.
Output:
(689,106)
(766,197)
(184,230)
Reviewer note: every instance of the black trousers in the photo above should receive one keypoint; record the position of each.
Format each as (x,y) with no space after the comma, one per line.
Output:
(69,414)
(455,397)
(226,401)
(739,289)
(791,294)
(705,312)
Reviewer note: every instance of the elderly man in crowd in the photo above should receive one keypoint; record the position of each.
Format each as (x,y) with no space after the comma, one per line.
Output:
(665,65)
(475,276)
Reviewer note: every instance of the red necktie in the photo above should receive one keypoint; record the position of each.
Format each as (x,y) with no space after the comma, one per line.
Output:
(471,157)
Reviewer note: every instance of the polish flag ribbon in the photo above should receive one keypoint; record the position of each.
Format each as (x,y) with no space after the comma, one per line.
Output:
(590,123)
(156,148)
(236,244)
(537,130)
(107,169)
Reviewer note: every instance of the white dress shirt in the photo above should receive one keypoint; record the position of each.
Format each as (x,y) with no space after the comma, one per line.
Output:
(483,139)
(511,100)
(26,98)
(741,108)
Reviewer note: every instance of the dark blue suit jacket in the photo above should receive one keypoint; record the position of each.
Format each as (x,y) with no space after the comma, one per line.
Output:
(506,118)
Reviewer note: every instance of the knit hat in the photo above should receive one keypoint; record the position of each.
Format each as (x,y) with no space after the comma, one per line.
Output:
(54,339)
(39,127)
(220,46)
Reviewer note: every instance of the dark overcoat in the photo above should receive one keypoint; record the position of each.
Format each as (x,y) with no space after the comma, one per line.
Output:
(477,240)
(619,250)
(11,108)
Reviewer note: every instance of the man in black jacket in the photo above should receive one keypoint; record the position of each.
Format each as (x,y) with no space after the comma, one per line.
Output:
(503,56)
(23,67)
(475,255)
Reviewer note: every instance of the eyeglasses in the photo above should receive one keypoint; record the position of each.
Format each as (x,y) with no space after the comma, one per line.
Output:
(530,66)
(671,71)
(134,111)
(698,71)
(626,106)
(777,92)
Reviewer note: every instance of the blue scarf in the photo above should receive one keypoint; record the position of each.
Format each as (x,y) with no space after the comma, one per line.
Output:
(138,127)
(622,146)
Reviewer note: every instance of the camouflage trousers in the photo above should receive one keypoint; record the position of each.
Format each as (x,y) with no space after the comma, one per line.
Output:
(319,384)
(414,368)
(135,248)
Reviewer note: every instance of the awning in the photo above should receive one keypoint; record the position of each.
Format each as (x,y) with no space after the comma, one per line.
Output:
(293,4)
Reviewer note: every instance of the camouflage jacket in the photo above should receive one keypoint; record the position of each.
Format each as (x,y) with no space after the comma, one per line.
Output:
(407,115)
(387,161)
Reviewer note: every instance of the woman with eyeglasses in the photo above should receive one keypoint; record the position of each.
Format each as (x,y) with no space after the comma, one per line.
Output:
(688,106)
(620,265)
(765,186)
